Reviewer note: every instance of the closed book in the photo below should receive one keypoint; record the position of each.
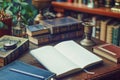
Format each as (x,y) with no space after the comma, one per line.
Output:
(49,38)
(8,55)
(110,31)
(60,25)
(97,28)
(36,29)
(19,70)
(103,28)
(109,51)
(116,34)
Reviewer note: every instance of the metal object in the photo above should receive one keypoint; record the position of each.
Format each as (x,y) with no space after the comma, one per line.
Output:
(87,41)
(19,30)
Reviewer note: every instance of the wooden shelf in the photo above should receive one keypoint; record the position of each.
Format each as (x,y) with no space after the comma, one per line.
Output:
(84,8)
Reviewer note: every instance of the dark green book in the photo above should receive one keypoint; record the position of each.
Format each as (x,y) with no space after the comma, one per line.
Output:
(116,35)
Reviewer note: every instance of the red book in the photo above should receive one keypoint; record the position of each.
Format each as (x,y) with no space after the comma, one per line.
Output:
(69,1)
(109,51)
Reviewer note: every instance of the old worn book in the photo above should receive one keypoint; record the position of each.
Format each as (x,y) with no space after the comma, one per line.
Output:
(60,25)
(8,55)
(49,38)
(36,29)
(65,58)
(108,51)
(19,70)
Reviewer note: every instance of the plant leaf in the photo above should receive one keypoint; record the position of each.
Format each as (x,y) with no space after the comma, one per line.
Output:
(24,3)
(8,12)
(1,24)
(17,1)
(23,11)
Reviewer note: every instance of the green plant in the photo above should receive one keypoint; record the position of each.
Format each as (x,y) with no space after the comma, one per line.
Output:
(3,26)
(13,7)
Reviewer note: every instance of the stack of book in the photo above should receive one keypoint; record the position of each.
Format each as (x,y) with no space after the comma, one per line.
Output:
(109,51)
(52,30)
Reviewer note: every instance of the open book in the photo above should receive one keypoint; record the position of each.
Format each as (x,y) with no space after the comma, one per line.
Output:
(65,57)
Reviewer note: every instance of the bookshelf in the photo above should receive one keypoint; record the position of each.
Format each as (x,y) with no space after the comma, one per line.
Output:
(101,16)
(62,6)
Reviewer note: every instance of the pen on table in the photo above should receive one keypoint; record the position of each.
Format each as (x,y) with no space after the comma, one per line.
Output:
(27,73)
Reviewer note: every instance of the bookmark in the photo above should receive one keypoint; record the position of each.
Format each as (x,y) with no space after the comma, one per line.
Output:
(88,71)
(27,73)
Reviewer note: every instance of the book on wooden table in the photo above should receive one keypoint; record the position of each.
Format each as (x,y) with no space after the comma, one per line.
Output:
(49,38)
(36,29)
(8,55)
(19,70)
(109,51)
(60,25)
(65,57)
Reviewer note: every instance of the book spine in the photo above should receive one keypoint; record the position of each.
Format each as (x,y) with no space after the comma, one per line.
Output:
(45,39)
(97,30)
(96,3)
(70,1)
(101,3)
(94,27)
(109,34)
(2,61)
(109,3)
(61,29)
(15,54)
(116,36)
(75,1)
(79,1)
(85,2)
(59,0)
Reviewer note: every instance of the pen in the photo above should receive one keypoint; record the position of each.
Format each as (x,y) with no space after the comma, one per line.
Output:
(27,73)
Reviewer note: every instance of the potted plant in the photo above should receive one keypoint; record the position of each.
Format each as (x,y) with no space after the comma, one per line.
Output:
(27,10)
(5,23)
(11,8)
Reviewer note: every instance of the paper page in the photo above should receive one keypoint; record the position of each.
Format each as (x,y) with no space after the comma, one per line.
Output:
(77,54)
(53,60)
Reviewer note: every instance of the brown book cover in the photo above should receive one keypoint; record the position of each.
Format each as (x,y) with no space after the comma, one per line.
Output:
(108,51)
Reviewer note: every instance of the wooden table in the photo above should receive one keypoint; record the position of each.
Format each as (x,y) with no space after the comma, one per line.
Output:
(107,71)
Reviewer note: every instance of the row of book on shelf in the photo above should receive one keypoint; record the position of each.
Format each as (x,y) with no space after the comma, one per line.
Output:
(94,3)
(105,28)
(52,30)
